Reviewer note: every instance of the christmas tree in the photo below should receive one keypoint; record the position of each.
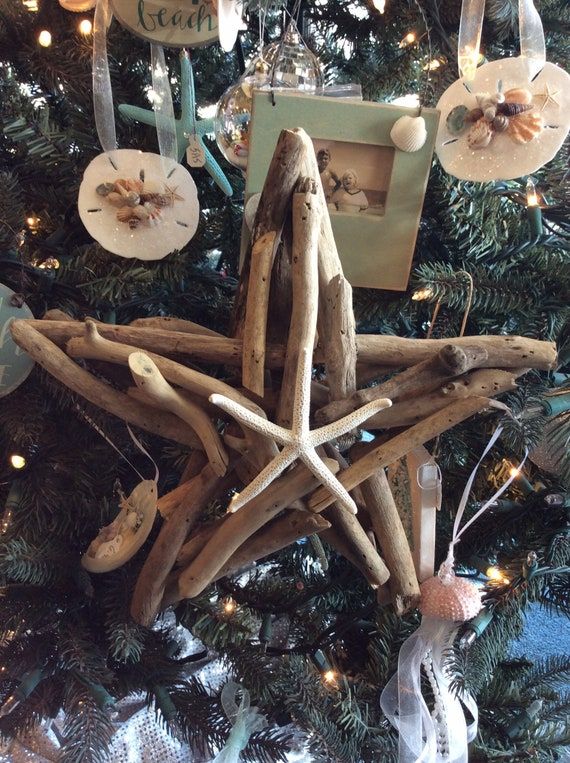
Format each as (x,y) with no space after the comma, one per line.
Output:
(311,629)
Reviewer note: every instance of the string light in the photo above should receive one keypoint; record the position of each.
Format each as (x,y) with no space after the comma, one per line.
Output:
(533,211)
(408,39)
(495,574)
(422,294)
(33,222)
(432,65)
(31,5)
(17,461)
(522,481)
(44,38)
(229,605)
(50,263)
(85,27)
(330,677)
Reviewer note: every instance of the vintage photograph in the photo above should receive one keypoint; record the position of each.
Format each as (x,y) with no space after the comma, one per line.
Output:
(355,176)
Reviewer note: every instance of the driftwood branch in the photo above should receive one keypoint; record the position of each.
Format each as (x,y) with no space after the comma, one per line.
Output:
(174,324)
(56,362)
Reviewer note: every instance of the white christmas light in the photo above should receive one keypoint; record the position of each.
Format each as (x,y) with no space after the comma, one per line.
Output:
(85,27)
(44,38)
(17,461)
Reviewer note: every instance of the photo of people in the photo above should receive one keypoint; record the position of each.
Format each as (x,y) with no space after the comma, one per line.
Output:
(355,177)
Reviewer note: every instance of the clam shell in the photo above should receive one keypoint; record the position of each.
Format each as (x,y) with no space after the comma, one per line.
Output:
(525,127)
(480,135)
(409,133)
(518,95)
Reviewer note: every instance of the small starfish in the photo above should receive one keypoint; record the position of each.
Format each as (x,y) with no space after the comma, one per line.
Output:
(548,96)
(187,124)
(300,441)
(172,195)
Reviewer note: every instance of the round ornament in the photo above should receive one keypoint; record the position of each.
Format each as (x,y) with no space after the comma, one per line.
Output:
(233,115)
(78,6)
(292,63)
(15,363)
(118,542)
(502,126)
(174,25)
(449,597)
(138,204)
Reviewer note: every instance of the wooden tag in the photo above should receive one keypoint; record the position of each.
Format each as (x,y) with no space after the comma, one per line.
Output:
(195,155)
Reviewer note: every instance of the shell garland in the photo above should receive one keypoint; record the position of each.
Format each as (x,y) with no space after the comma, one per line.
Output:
(511,112)
(138,203)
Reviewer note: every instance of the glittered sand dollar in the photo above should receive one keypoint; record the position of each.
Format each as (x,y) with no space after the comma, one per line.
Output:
(138,204)
(503,151)
(15,363)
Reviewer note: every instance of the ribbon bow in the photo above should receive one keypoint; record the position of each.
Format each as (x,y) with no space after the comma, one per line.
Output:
(245,721)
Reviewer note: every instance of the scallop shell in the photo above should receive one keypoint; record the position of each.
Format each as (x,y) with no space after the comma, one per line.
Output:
(518,95)
(409,133)
(479,135)
(124,214)
(525,127)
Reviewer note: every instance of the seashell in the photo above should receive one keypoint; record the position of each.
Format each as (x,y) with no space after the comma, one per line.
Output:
(525,127)
(116,199)
(512,109)
(490,113)
(132,199)
(158,199)
(480,135)
(483,99)
(134,223)
(500,123)
(124,214)
(154,213)
(409,133)
(134,185)
(518,95)
(104,189)
(457,120)
(449,598)
(140,212)
(474,115)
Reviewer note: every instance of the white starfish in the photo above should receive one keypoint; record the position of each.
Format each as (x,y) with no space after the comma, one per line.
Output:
(300,441)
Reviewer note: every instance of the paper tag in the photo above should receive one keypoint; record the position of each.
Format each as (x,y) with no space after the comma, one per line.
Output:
(195,154)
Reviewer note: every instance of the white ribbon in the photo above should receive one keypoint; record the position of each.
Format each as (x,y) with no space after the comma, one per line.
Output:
(103,93)
(532,47)
(245,721)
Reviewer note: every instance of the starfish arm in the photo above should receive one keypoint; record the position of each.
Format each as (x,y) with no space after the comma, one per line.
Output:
(348,422)
(327,478)
(265,477)
(302,400)
(144,116)
(251,420)
(215,171)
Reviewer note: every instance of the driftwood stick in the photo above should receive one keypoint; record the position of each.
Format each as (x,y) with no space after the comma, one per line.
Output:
(275,198)
(337,338)
(149,588)
(388,528)
(502,351)
(209,349)
(149,379)
(484,382)
(341,546)
(174,324)
(398,352)
(305,292)
(241,525)
(398,446)
(169,501)
(278,534)
(196,462)
(449,362)
(266,235)
(56,362)
(94,346)
(198,539)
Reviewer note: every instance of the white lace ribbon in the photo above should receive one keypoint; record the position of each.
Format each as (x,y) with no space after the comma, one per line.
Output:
(532,47)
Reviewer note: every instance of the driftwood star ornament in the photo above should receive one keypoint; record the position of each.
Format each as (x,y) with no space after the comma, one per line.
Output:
(187,125)
(299,442)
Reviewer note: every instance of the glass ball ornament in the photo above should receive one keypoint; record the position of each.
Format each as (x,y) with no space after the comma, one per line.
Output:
(233,114)
(292,63)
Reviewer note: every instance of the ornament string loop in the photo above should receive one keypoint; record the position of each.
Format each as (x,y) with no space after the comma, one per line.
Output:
(102,91)
(532,46)
(162,104)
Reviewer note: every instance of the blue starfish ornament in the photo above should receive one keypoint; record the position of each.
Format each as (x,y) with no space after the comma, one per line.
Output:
(188,125)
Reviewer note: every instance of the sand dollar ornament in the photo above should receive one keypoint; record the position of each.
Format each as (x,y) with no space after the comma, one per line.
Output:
(117,542)
(15,363)
(138,204)
(509,117)
(181,24)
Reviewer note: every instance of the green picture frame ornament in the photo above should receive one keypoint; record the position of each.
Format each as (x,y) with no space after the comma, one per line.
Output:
(375,219)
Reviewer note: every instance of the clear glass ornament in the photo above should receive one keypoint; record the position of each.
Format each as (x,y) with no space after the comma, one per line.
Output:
(233,114)
(292,63)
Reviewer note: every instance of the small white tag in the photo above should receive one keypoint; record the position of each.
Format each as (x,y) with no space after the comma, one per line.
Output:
(195,155)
